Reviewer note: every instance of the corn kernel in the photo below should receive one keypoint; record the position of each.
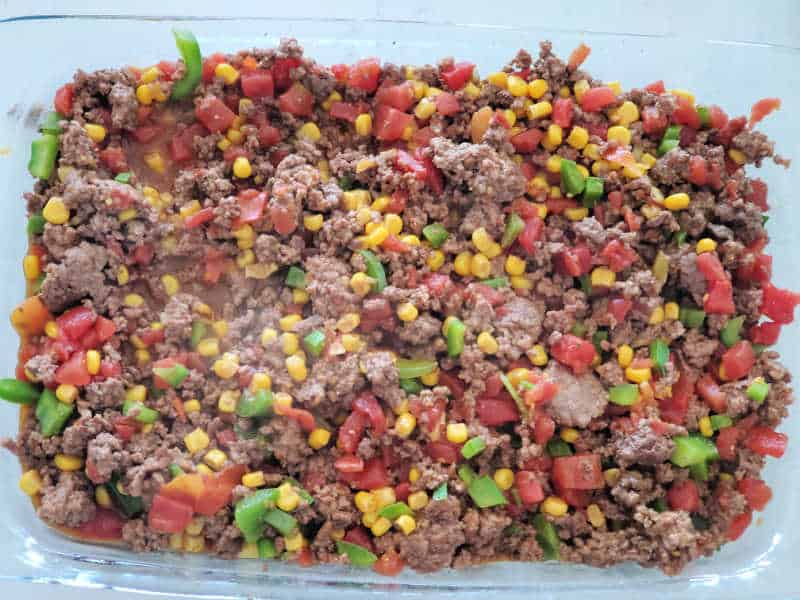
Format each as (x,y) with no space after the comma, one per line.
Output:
(414,475)
(580,88)
(471,91)
(381,526)
(93,362)
(671,311)
(619,134)
(457,433)
(657,316)
(615,86)
(538,355)
(537,88)
(208,347)
(215,459)
(102,497)
(225,368)
(142,356)
(366,502)
(407,312)
(405,424)
(410,240)
(260,381)
(518,375)
(638,375)
(384,496)
(51,329)
(227,73)
(363,124)
(196,441)
(296,367)
(569,435)
(365,164)
(553,164)
(515,265)
(249,550)
(228,401)
(480,266)
(603,277)
(319,438)
(144,94)
(418,500)
(624,355)
(194,544)
(577,214)
(352,342)
(611,476)
(405,523)
(394,223)
(65,462)
(499,79)
(334,96)
(435,260)
(737,156)
(55,211)
(626,114)
(484,243)
(487,343)
(309,132)
(66,393)
(553,138)
(376,236)
(254,479)
(195,526)
(540,110)
(554,506)
(30,482)
(706,245)
(677,201)
(704,424)
(462,262)
(288,498)
(313,222)
(234,136)
(504,478)
(595,515)
(242,168)
(224,144)
(288,322)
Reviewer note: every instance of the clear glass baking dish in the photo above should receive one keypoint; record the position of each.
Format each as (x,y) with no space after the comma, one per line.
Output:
(41,53)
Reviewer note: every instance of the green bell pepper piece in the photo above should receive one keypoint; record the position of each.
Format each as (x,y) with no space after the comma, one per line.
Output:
(440,493)
(720,421)
(394,510)
(593,191)
(680,237)
(692,317)
(173,375)
(258,404)
(547,537)
(43,156)
(757,391)
(51,123)
(579,329)
(624,394)
(667,146)
(375,270)
(466,474)
(600,336)
(485,493)
(250,512)
(411,386)
(18,392)
(315,342)
(175,471)
(659,354)
(199,331)
(283,522)
(692,449)
(436,234)
(36,224)
(192,59)
(731,332)
(301,491)
(659,505)
(558,447)
(705,116)
(497,282)
(358,555)
(699,472)
(130,506)
(455,338)
(266,549)
(143,414)
(473,447)
(296,278)
(123,177)
(586,284)
(572,179)
(521,406)
(411,368)
(673,132)
(514,226)
(52,414)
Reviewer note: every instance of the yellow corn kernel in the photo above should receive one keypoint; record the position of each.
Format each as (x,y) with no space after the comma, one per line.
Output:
(580,88)
(384,496)
(208,347)
(234,136)
(420,89)
(361,284)
(227,73)
(127,215)
(51,329)
(377,236)
(309,132)
(194,544)
(471,91)
(380,526)
(242,168)
(97,133)
(406,524)
(553,164)
(577,214)
(499,79)
(408,132)
(510,116)
(355,199)
(484,242)
(518,375)
(671,311)
(515,265)
(319,438)
(55,211)
(627,113)
(462,262)
(413,475)
(65,462)
(487,343)
(624,355)
(225,368)
(334,96)
(538,355)
(102,497)
(288,322)
(93,362)
(615,86)
(540,110)
(195,526)
(480,266)
(504,478)
(554,506)
(155,161)
(677,201)
(296,367)
(228,401)
(313,222)
(553,138)
(215,459)
(657,316)
(603,277)
(706,245)
(144,94)
(638,375)
(619,134)
(366,502)
(516,86)
(249,550)
(142,356)
(224,144)
(204,469)
(405,424)
(380,204)
(260,381)
(457,433)
(363,124)
(30,482)
(352,342)
(171,284)
(31,267)
(407,312)
(410,240)
(737,156)
(705,427)
(611,476)
(685,94)
(394,223)
(595,515)
(123,276)
(418,500)
(288,498)
(578,138)
(365,164)
(537,88)
(196,441)
(254,479)
(435,260)
(150,75)
(176,542)
(569,435)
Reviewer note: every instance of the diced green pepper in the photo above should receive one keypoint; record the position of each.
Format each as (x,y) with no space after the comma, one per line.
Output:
(586,284)
(43,156)
(258,404)
(558,447)
(692,449)
(720,421)
(375,270)
(130,506)
(473,447)
(193,61)
(266,549)
(700,522)
(699,472)
(521,406)
(301,491)
(175,471)
(705,116)
(497,282)
(411,386)
(315,342)
(52,414)
(692,318)
(485,493)
(36,224)
(759,348)
(455,338)
(345,182)
(296,278)
(757,391)
(199,331)
(680,238)
(358,555)
(440,493)
(435,233)
(731,332)
(764,219)
(18,392)
(143,413)
(514,226)
(571,178)
(600,336)
(624,394)
(411,368)
(667,146)
(659,505)
(250,512)
(51,123)
(547,537)
(173,375)
(283,522)
(659,354)
(394,510)
(673,132)
(579,329)
(123,177)
(593,191)
(36,286)
(466,474)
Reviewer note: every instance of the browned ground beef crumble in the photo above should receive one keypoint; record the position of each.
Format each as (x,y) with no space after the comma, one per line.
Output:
(233,282)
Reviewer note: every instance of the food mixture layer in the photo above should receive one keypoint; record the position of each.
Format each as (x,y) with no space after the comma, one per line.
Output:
(397,316)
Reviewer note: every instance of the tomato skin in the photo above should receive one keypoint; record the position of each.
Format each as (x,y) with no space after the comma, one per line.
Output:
(390,123)
(738,360)
(529,488)
(297,101)
(257,84)
(74,371)
(686,114)
(389,564)
(578,472)
(684,495)
(527,141)
(114,158)
(595,99)
(575,261)
(457,76)
(400,96)
(709,265)
(447,104)
(351,432)
(756,492)
(766,333)
(346,111)
(368,406)
(709,391)
(738,526)
(727,439)
(654,122)
(618,256)
(402,491)
(619,308)
(729,131)
(364,74)
(675,408)
(758,269)
(251,207)
(408,164)
(698,173)
(214,114)
(718,117)
(106,525)
(562,112)
(76,322)
(574,352)
(443,451)
(210,64)
(496,411)
(762,108)
(372,477)
(64,98)
(544,427)
(398,202)
(766,441)
(779,304)
(578,56)
(169,516)
(719,299)
(282,71)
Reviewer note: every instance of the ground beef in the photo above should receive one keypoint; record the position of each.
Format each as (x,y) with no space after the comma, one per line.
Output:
(439,533)
(644,446)
(579,398)
(69,502)
(519,327)
(328,284)
(78,276)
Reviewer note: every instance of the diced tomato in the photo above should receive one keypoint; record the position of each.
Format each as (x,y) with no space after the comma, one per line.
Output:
(657,87)
(738,360)
(595,99)
(756,492)
(282,71)
(758,194)
(105,525)
(64,99)
(727,439)
(349,463)
(766,333)
(654,122)
(394,244)
(340,72)
(684,495)
(257,84)
(346,111)
(398,201)
(368,406)
(755,269)
(687,136)
(738,526)
(125,427)
(574,352)
(422,137)
(709,265)
(576,498)
(544,391)
(76,322)
(251,207)
(443,451)
(675,408)
(114,158)
(717,116)
(358,535)
(400,96)
(709,390)
(214,114)
(402,491)
(268,135)
(389,564)
(434,178)
(762,108)
(579,472)
(619,308)
(496,411)
(766,441)
(529,487)
(74,371)
(109,368)
(390,123)
(578,56)
(457,75)
(698,173)
(217,490)
(351,432)
(544,427)
(283,218)
(730,130)
(574,261)
(364,74)
(686,114)
(719,299)
(210,64)
(372,477)
(779,304)
(202,216)
(618,256)
(562,112)
(152,336)
(297,100)
(527,141)
(226,437)
(301,416)
(447,104)
(169,516)
(491,295)
(438,284)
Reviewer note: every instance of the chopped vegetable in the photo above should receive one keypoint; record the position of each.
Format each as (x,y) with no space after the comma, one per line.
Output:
(315,342)
(692,318)
(571,178)
(731,333)
(485,493)
(495,283)
(659,354)
(440,493)
(283,522)
(358,555)
(624,394)
(473,447)
(18,392)
(521,406)
(43,156)
(394,510)
(199,331)
(36,224)
(413,368)
(411,386)
(693,449)
(173,375)
(435,233)
(556,447)
(296,278)
(593,191)
(142,413)
(455,338)
(375,270)
(757,391)
(250,512)
(123,177)
(514,226)
(175,471)
(547,537)
(266,549)
(720,421)
(254,405)
(130,506)
(51,123)
(193,61)
(52,414)
(466,474)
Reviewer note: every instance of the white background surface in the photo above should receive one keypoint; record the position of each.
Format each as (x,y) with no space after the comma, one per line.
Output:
(773,22)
